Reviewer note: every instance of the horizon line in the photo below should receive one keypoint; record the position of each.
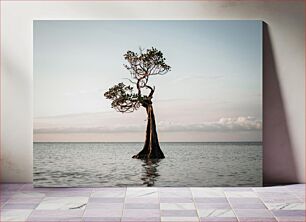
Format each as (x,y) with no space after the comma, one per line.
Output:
(143,142)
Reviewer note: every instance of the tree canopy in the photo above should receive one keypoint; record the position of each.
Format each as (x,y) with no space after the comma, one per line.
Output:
(141,66)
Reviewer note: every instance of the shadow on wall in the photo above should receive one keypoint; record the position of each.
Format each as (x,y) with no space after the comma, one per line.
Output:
(278,160)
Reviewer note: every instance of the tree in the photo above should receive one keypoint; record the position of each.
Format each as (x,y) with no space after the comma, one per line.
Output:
(141,66)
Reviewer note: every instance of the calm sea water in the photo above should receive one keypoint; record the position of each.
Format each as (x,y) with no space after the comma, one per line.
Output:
(111,164)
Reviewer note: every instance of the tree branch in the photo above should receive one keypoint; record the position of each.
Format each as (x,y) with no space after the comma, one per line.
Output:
(151,92)
(141,67)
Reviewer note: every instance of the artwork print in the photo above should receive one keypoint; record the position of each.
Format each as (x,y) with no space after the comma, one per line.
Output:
(147,103)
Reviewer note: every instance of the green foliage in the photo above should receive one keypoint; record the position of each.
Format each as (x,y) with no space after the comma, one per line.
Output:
(123,98)
(145,64)
(141,66)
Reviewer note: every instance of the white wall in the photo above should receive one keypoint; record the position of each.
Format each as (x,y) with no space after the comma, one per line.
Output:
(284,111)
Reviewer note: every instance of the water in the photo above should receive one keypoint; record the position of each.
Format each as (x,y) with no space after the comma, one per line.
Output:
(110,164)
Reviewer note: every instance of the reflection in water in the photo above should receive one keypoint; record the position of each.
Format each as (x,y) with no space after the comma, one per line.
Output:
(150,171)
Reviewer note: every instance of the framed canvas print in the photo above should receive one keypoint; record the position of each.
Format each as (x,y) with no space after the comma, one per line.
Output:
(147,103)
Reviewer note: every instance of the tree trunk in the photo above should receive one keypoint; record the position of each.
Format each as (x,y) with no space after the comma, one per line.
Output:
(151,149)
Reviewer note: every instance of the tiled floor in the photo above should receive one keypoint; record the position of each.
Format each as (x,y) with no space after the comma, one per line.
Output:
(22,202)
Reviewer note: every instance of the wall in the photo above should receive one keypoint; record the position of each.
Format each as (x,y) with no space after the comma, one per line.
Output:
(284,79)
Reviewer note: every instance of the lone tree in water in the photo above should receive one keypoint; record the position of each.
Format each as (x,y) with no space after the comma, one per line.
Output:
(141,66)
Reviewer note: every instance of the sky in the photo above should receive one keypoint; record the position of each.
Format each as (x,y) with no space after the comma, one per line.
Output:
(212,93)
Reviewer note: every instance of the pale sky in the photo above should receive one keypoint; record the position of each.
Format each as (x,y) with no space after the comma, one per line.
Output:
(213,93)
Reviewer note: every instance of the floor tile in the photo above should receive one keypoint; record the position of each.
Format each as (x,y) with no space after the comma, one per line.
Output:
(101,219)
(62,203)
(109,192)
(253,213)
(14,214)
(289,213)
(3,200)
(238,189)
(23,202)
(246,200)
(248,206)
(279,189)
(95,189)
(27,195)
(105,200)
(91,205)
(216,213)
(174,189)
(138,192)
(176,200)
(210,200)
(291,219)
(218,219)
(142,213)
(57,213)
(213,205)
(207,192)
(32,200)
(4,193)
(177,206)
(179,219)
(285,206)
(2,204)
(141,206)
(20,206)
(140,219)
(68,193)
(256,219)
(300,195)
(281,200)
(175,192)
(240,194)
(103,213)
(29,187)
(274,197)
(55,219)
(296,187)
(142,200)
(179,213)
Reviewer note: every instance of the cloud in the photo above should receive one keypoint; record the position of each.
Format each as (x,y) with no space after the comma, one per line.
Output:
(222,125)
(225,124)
